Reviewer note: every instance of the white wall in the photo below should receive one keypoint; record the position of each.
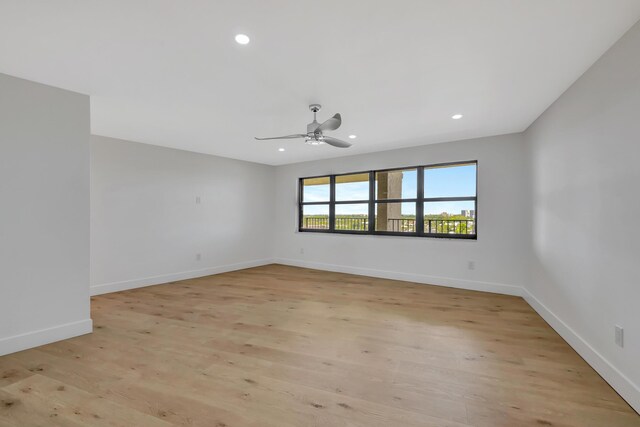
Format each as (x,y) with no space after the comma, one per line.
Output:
(499,253)
(146,227)
(44,214)
(584,154)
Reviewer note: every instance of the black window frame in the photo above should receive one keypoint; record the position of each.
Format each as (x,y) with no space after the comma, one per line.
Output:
(419,201)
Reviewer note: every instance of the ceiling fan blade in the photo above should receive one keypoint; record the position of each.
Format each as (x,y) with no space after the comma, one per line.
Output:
(332,124)
(297,135)
(336,142)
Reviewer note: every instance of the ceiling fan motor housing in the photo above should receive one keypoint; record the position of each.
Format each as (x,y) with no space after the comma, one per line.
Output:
(311,127)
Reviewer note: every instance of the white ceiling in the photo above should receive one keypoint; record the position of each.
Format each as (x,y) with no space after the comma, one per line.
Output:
(169,73)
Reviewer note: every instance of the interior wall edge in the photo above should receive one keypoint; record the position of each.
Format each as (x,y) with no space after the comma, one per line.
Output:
(125,285)
(40,337)
(623,385)
(44,214)
(584,283)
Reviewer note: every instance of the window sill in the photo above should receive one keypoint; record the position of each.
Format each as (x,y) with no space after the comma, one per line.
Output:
(391,234)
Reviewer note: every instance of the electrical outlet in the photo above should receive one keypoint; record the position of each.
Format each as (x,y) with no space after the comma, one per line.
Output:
(301,251)
(471,265)
(198,200)
(198,257)
(619,336)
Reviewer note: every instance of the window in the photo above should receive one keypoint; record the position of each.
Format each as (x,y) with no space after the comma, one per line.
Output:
(315,206)
(450,200)
(352,202)
(354,187)
(428,201)
(395,196)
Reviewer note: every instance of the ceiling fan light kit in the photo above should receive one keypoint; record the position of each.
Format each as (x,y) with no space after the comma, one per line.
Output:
(315,131)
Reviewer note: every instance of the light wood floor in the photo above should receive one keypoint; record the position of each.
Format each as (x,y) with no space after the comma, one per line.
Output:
(289,347)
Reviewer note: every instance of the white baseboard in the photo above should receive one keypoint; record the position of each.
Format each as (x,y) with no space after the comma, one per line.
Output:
(44,336)
(106,288)
(620,383)
(472,285)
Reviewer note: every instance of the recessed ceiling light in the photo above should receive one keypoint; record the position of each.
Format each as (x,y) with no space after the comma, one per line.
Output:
(242,39)
(353,136)
(456,116)
(280,149)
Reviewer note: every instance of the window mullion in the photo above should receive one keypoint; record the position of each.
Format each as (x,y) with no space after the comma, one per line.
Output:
(372,202)
(420,202)
(300,193)
(332,203)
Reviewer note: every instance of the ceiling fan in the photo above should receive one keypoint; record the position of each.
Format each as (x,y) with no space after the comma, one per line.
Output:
(314,135)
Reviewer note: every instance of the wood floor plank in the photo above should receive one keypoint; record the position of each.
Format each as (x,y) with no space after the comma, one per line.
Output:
(75,406)
(279,346)
(17,412)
